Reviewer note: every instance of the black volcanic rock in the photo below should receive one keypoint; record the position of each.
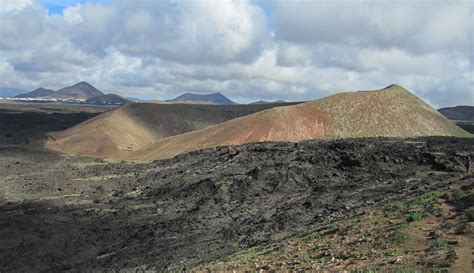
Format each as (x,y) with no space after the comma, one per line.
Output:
(215,98)
(223,202)
(37,93)
(112,99)
(82,90)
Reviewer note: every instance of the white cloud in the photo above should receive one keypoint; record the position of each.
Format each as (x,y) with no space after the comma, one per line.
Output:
(72,15)
(140,21)
(24,28)
(412,25)
(186,31)
(13,5)
(304,50)
(292,54)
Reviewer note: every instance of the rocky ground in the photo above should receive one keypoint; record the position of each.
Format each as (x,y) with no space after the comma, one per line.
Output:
(355,205)
(366,204)
(429,232)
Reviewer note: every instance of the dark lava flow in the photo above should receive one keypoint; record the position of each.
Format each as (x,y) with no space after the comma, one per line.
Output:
(207,204)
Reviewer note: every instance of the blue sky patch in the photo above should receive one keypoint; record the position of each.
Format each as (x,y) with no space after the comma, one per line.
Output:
(57,6)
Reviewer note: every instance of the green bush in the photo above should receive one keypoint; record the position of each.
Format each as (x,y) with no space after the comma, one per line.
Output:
(304,257)
(312,235)
(413,217)
(393,252)
(440,243)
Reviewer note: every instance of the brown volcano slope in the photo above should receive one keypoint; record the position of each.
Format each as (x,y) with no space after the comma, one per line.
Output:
(389,112)
(117,133)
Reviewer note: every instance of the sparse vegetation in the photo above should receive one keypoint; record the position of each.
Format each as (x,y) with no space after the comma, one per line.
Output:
(323,260)
(399,234)
(304,257)
(393,252)
(413,217)
(463,199)
(440,243)
(312,235)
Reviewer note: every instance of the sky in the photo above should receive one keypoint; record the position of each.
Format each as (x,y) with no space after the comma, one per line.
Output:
(246,49)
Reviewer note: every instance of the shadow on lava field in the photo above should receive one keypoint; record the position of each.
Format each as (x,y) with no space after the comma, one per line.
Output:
(60,213)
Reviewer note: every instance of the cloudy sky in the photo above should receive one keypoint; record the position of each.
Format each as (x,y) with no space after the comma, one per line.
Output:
(245,49)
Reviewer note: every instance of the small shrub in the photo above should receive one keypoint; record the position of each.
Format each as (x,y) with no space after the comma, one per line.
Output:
(394,252)
(440,243)
(399,235)
(424,199)
(304,257)
(312,235)
(413,217)
(323,260)
(346,255)
(321,232)
(359,212)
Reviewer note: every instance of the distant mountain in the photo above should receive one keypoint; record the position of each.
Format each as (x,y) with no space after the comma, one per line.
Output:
(268,102)
(108,99)
(461,112)
(156,101)
(40,92)
(462,115)
(215,98)
(135,99)
(134,126)
(82,90)
(389,112)
(7,92)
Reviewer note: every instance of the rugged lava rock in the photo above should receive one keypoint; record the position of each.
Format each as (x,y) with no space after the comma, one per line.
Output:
(207,204)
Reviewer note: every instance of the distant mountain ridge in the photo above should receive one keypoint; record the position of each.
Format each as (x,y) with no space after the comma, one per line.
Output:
(39,92)
(462,115)
(389,112)
(146,131)
(268,102)
(81,90)
(133,126)
(460,112)
(214,98)
(108,99)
